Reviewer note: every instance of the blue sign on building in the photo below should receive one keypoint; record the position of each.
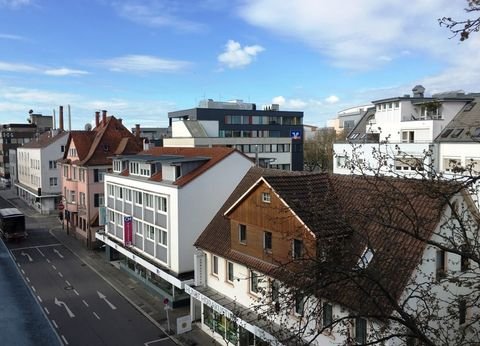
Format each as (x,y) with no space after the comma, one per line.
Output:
(295,134)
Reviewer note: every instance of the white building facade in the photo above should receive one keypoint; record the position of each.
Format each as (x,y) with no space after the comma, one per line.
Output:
(155,213)
(38,176)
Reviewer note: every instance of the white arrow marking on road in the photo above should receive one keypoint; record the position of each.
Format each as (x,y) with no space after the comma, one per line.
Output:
(27,255)
(102,296)
(60,303)
(58,253)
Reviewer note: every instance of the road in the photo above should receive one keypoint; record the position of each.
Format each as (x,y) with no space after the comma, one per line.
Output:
(81,306)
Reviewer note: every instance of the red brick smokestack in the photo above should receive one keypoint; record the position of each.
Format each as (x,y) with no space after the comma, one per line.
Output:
(104,117)
(137,130)
(60,118)
(97,118)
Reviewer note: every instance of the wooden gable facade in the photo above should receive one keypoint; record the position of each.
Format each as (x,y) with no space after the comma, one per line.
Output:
(263,226)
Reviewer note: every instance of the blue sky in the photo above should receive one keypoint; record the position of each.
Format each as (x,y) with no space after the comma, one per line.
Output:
(140,59)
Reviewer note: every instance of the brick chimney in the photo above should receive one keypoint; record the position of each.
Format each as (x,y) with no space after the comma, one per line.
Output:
(60,118)
(97,118)
(137,130)
(104,117)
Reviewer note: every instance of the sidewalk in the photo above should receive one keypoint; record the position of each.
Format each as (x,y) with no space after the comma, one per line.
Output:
(150,305)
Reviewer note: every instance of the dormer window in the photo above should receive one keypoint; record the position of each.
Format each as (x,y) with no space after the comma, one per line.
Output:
(134,168)
(366,258)
(117,166)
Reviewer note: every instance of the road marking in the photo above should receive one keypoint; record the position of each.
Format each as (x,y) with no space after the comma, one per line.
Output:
(41,253)
(60,303)
(68,283)
(54,268)
(154,341)
(33,289)
(23,272)
(39,299)
(74,290)
(64,340)
(48,261)
(15,258)
(34,247)
(19,265)
(30,259)
(104,297)
(98,317)
(54,324)
(60,274)
(46,310)
(84,302)
(28,280)
(58,253)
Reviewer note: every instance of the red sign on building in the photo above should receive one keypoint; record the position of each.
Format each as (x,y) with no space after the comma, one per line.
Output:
(127,230)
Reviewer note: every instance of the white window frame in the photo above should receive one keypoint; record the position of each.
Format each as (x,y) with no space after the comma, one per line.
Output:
(232,272)
(214,265)
(266,197)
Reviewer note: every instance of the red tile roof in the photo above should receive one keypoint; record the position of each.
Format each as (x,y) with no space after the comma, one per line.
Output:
(96,147)
(363,211)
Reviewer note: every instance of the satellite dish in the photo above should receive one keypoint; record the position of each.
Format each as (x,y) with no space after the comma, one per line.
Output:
(88,127)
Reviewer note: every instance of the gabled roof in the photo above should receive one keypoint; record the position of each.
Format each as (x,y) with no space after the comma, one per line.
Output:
(360,212)
(96,147)
(44,140)
(465,126)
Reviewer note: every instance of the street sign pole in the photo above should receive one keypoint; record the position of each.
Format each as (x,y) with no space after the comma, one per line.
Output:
(167,308)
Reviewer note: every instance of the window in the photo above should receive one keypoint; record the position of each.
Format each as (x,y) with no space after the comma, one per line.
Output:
(254,281)
(464,260)
(65,171)
(299,304)
(82,198)
(267,241)
(148,200)
(128,195)
(53,182)
(360,330)
(161,203)
(456,133)
(297,250)
(342,161)
(119,192)
(214,265)
(98,200)
(266,198)
(163,238)
(441,261)
(365,258)
(446,133)
(138,197)
(462,311)
(275,294)
(138,228)
(327,314)
(134,168)
(52,164)
(98,175)
(397,104)
(117,166)
(242,233)
(230,274)
(111,190)
(73,197)
(408,136)
(150,232)
(452,165)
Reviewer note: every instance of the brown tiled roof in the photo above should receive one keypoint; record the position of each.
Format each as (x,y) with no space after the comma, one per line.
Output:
(44,140)
(364,211)
(96,147)
(215,155)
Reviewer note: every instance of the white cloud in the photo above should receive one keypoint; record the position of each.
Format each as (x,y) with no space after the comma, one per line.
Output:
(235,56)
(144,63)
(14,3)
(295,103)
(332,99)
(16,67)
(158,14)
(63,71)
(11,37)
(353,36)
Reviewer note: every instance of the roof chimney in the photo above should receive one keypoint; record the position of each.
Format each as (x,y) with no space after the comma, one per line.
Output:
(97,118)
(104,117)
(137,130)
(60,118)
(418,91)
(120,120)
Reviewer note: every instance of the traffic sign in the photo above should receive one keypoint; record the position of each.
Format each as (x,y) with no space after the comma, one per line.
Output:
(60,206)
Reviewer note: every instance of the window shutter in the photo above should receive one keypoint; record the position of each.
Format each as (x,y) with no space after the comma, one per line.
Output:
(95,175)
(96,203)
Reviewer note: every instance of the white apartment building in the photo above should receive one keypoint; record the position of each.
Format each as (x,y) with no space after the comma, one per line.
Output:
(158,202)
(407,124)
(38,177)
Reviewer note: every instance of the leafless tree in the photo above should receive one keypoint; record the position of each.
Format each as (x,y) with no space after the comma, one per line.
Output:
(463,28)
